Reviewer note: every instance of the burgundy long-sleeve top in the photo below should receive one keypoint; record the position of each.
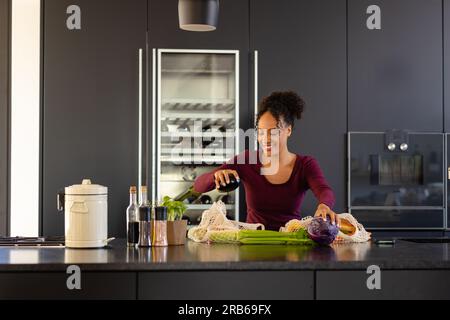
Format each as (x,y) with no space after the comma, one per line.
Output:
(274,204)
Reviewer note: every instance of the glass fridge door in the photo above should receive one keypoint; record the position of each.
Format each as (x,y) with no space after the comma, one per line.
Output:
(197,123)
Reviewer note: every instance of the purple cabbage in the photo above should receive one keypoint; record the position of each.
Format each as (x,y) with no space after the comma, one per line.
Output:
(322,232)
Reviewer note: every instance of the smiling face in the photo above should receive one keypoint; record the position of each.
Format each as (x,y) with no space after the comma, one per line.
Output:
(272,134)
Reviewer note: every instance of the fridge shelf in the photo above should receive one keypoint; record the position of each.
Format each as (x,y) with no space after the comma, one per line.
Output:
(207,206)
(195,71)
(187,151)
(172,115)
(189,160)
(223,105)
(227,123)
(188,134)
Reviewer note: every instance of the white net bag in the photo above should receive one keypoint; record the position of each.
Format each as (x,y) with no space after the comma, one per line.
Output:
(360,235)
(215,219)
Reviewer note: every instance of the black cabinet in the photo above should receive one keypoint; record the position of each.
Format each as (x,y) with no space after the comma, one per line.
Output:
(404,284)
(90,102)
(228,285)
(301,47)
(395,72)
(53,285)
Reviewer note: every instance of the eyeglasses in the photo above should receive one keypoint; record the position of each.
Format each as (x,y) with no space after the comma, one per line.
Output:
(273,132)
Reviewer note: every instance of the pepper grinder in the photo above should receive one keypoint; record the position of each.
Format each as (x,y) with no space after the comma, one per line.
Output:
(160,227)
(145,226)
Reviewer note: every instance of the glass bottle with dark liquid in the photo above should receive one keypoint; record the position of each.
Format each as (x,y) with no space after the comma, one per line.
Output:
(132,219)
(232,185)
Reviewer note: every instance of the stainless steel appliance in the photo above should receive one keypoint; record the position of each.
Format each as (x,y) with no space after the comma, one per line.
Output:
(195,122)
(31,241)
(447,179)
(396,179)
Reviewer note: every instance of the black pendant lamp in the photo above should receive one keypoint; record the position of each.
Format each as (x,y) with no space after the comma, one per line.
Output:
(198,15)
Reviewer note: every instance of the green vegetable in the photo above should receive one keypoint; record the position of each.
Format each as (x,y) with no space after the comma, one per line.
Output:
(175,209)
(274,237)
(261,237)
(224,236)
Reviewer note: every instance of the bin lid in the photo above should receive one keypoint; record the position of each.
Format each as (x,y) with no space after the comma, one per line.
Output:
(86,188)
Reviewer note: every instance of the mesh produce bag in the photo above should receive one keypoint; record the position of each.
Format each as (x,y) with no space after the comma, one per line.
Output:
(360,235)
(215,219)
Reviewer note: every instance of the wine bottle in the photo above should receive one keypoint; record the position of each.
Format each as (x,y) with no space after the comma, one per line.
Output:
(190,194)
(233,184)
(132,219)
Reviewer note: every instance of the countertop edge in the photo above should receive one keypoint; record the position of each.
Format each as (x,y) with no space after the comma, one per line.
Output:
(228,266)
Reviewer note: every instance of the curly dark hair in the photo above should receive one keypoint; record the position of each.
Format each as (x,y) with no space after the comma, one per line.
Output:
(283,105)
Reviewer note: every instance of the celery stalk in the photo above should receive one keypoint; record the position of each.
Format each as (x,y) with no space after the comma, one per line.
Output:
(273,237)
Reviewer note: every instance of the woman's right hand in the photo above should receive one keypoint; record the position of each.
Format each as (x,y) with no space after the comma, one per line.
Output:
(222,177)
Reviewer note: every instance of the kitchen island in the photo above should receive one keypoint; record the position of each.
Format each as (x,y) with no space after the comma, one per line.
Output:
(220,271)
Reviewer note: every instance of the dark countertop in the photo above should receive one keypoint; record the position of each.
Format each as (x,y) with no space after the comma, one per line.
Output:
(196,256)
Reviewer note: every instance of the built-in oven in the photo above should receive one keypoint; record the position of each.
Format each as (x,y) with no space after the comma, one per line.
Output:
(447,184)
(396,179)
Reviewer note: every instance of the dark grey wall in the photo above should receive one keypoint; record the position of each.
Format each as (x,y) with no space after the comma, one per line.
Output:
(90,103)
(4,114)
(301,47)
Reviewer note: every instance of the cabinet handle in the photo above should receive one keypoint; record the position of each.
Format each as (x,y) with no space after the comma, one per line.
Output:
(255,81)
(140,54)
(448,173)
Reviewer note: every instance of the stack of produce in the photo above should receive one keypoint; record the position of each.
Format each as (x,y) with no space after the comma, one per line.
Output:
(315,231)
(216,228)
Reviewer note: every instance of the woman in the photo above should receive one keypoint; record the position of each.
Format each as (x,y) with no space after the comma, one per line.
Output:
(276,183)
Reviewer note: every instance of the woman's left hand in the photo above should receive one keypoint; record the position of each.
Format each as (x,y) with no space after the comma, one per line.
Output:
(324,211)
